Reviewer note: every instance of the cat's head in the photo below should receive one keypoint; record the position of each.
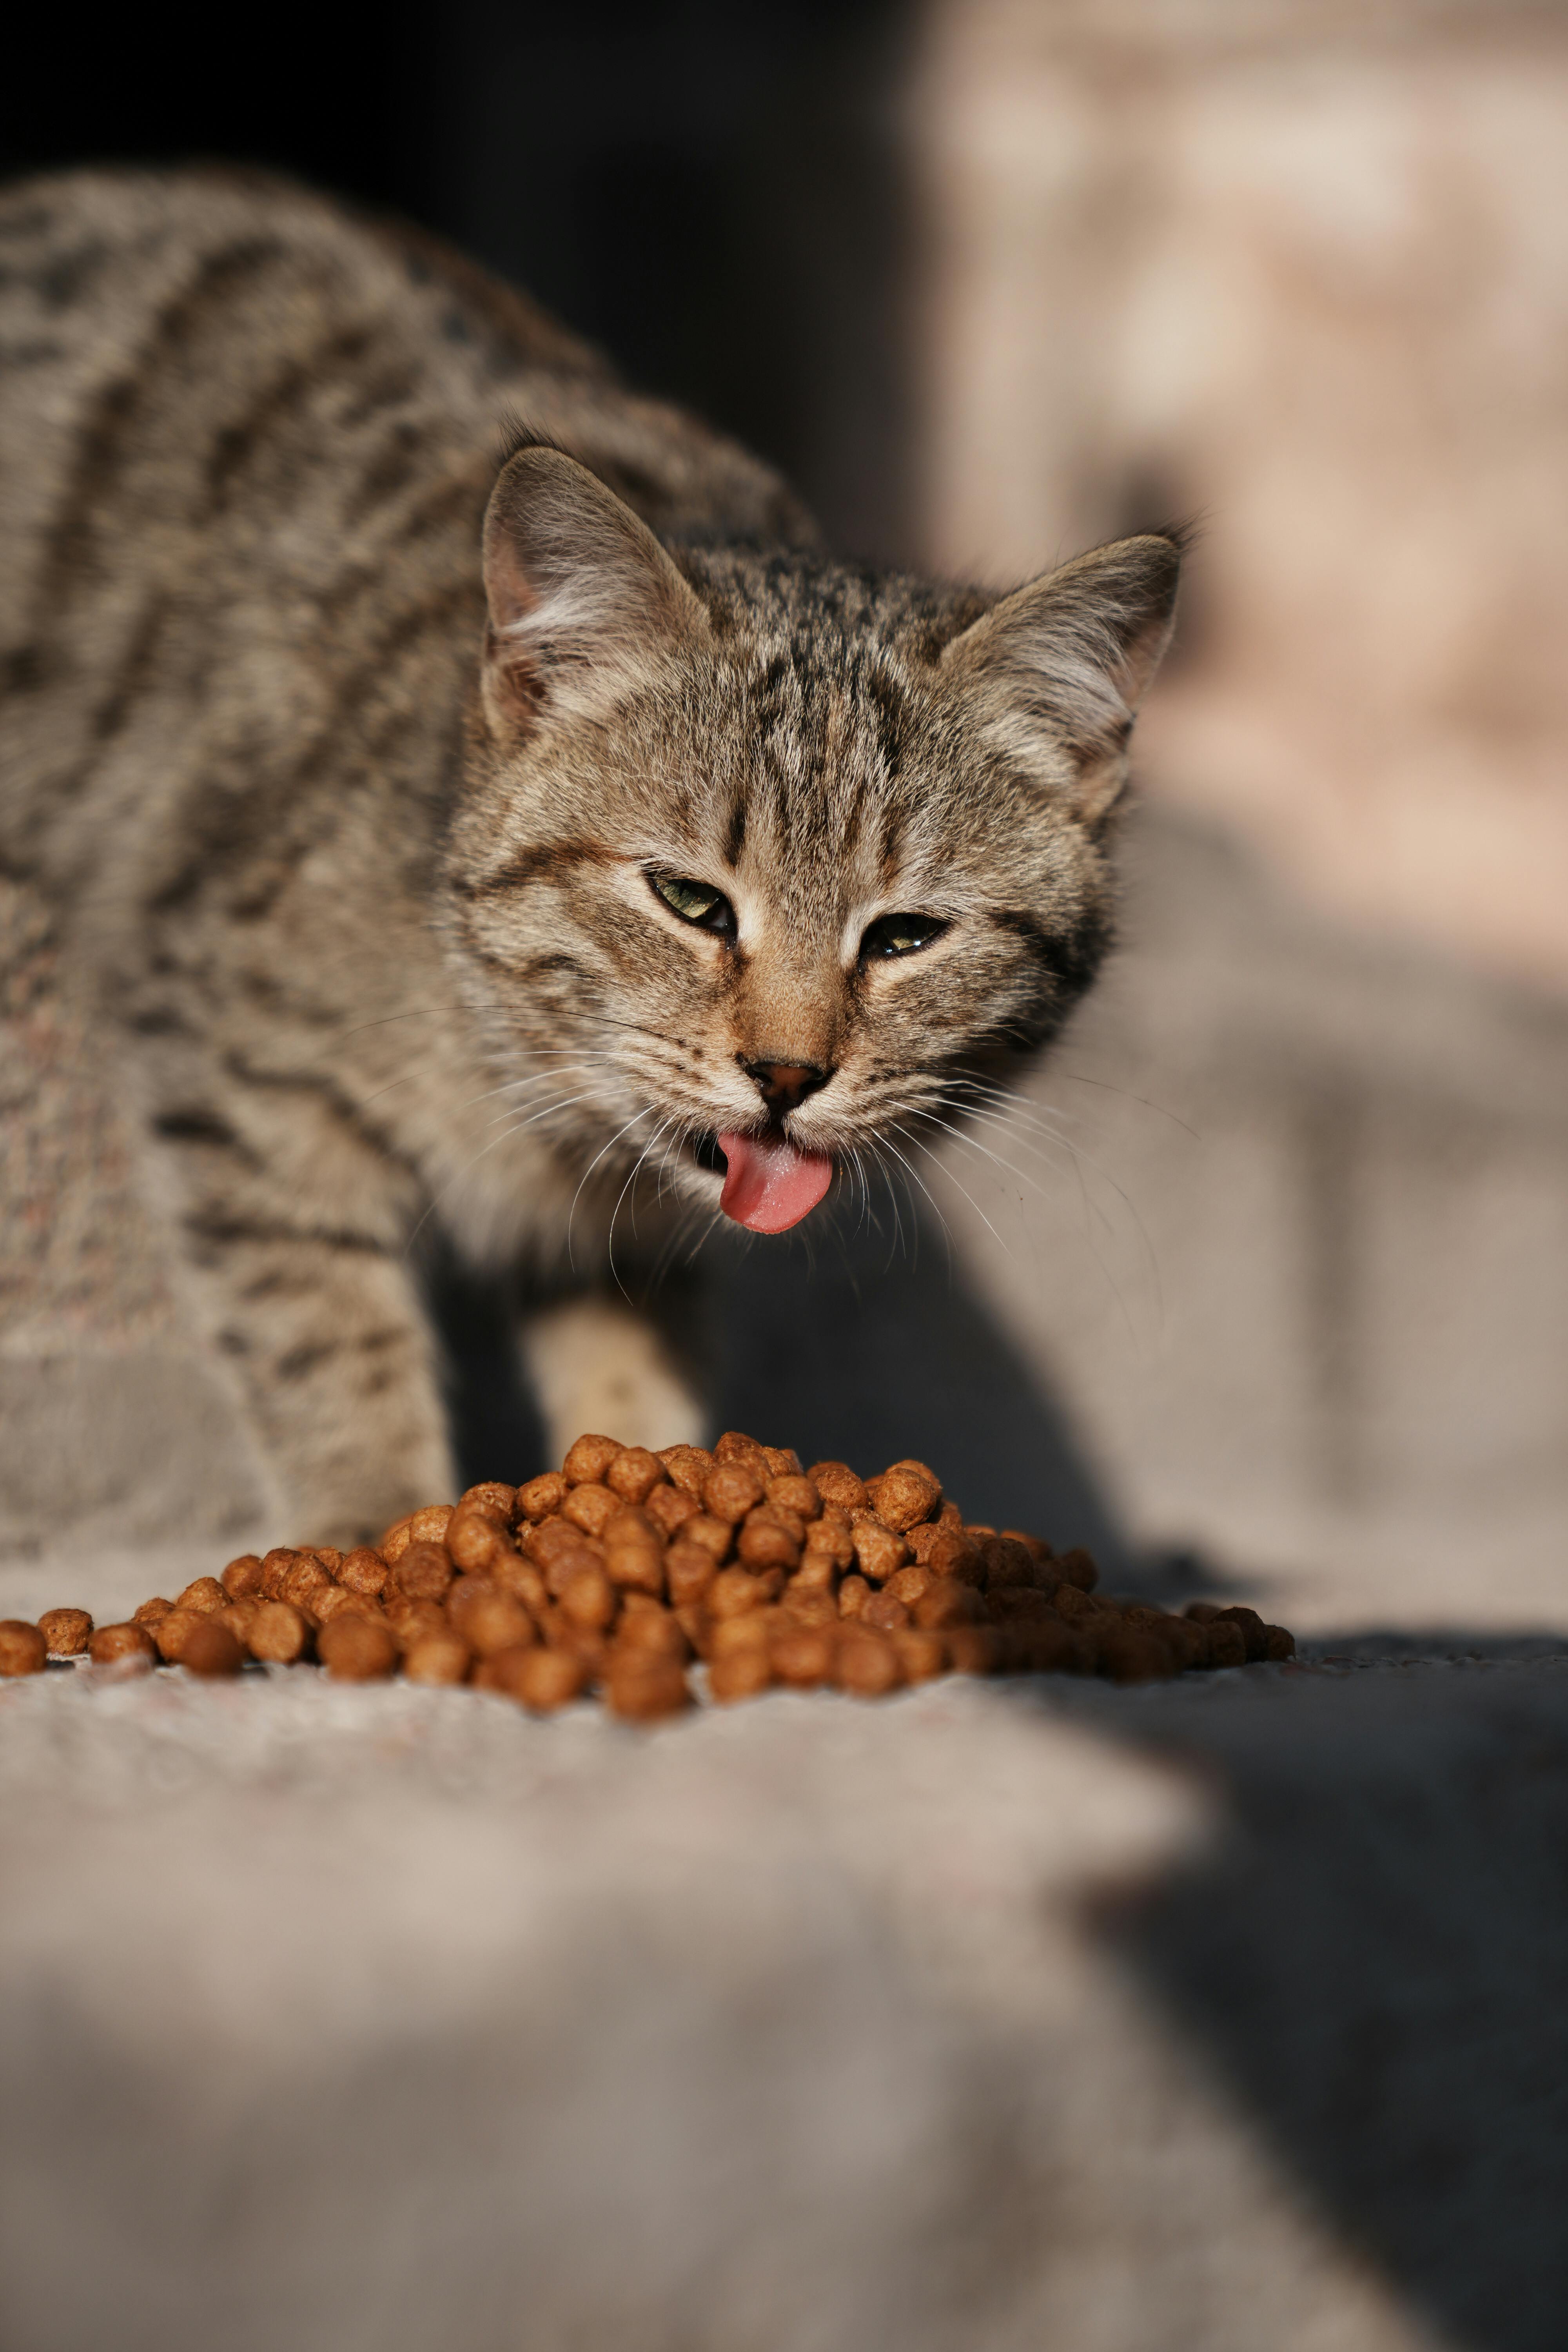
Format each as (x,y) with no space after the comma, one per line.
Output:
(763,860)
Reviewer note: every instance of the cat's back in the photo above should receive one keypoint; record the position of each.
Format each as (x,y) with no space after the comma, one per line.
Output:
(235,415)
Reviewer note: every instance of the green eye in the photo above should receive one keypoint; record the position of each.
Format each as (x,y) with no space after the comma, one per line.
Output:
(694,902)
(898,935)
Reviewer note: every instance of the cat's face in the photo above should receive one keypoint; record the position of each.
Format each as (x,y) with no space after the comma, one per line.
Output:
(764,861)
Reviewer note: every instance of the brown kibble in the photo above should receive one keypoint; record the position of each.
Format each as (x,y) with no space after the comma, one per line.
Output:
(306,1581)
(867,1665)
(366,1571)
(429,1525)
(696,1625)
(1046,1646)
(765,1540)
(884,1612)
(540,1497)
(205,1594)
(1077,1567)
(740,1674)
(242,1576)
(654,1630)
(910,1584)
(921,1654)
(951,1553)
(1042,1555)
(729,1491)
(210,1650)
(634,1554)
(356,1649)
(803,1655)
(686,1467)
(524,1581)
(111,1645)
(151,1612)
(947,1601)
(1277,1643)
(423,1573)
(753,1630)
(588,1600)
(817,1572)
(634,1474)
(795,1493)
(879,1553)
(539,1678)
(587,1461)
(171,1631)
(320,1608)
(275,1567)
(973,1649)
(278,1634)
(557,1546)
(783,1461)
(590,1508)
(23,1649)
(1130,1653)
(330,1557)
(904,1494)
(239,1617)
(1254,1632)
(642,1685)
(737,1447)
(493,1498)
(735,1590)
(690,1569)
(669,1508)
(831,1537)
(1227,1643)
(437,1658)
(473,1539)
(853,1595)
(716,1537)
(488,1619)
(811,1604)
(1007,1564)
(836,1483)
(66,1632)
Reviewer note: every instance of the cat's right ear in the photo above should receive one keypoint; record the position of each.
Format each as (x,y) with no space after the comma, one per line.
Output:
(584,602)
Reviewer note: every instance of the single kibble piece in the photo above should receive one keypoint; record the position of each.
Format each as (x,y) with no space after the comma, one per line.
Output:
(323,1607)
(853,1595)
(354,1649)
(151,1612)
(910,1584)
(473,1540)
(879,1553)
(836,1483)
(559,1550)
(783,1461)
(753,1631)
(242,1576)
(952,1554)
(668,1508)
(539,1498)
(641,1686)
(423,1573)
(329,1555)
(803,1655)
(1007,1564)
(493,1498)
(1227,1643)
(306,1582)
(23,1649)
(634,1474)
(588,1600)
(735,1590)
(436,1658)
(66,1632)
(686,1467)
(867,1665)
(884,1612)
(740,1674)
(587,1461)
(429,1525)
(111,1645)
(654,1632)
(765,1539)
(736,1446)
(809,1603)
(170,1633)
(796,1494)
(240,1616)
(729,1491)
(903,1496)
(366,1571)
(205,1594)
(278,1634)
(490,1620)
(209,1649)
(634,1556)
(591,1507)
(716,1537)
(690,1569)
(275,1567)
(1277,1643)
(542,1679)
(1076,1566)
(830,1539)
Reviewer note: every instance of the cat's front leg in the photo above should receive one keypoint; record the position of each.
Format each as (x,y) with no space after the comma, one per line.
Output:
(597,1363)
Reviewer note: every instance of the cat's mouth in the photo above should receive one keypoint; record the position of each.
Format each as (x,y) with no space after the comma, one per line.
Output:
(770,1183)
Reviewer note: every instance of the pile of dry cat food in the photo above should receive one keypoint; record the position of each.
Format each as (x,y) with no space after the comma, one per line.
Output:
(614,1572)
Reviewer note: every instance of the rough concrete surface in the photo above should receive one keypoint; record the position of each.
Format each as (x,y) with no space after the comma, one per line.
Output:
(1178,2019)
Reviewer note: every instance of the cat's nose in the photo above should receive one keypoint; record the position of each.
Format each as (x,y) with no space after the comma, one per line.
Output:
(785,1084)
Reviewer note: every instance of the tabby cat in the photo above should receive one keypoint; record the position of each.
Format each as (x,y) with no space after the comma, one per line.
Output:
(516,826)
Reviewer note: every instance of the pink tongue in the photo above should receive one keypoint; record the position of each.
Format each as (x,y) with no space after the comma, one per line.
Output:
(770,1184)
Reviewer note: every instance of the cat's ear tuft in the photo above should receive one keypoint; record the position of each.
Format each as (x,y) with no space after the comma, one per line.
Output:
(584,602)
(1063,663)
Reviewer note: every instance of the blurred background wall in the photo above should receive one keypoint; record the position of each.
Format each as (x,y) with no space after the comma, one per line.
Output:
(1270,1267)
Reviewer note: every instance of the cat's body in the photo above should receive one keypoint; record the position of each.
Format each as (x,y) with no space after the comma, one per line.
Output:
(366,886)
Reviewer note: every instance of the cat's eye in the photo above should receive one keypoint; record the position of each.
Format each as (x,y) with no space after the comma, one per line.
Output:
(900,935)
(696,902)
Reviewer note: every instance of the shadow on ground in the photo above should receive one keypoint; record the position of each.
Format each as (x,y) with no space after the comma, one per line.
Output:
(1373,1963)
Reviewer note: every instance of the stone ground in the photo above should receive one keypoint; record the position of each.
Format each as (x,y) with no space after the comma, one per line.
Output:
(1189,2018)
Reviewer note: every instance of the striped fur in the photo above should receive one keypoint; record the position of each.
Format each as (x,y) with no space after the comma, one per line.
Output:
(358,869)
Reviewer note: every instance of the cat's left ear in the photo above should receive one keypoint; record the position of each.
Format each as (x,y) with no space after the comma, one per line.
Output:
(584,602)
(1064,663)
